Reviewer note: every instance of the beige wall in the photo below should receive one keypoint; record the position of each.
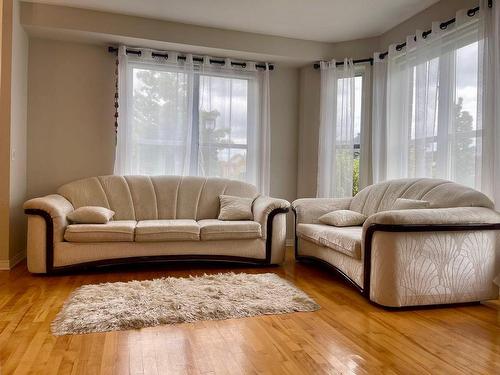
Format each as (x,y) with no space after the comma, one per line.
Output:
(308,132)
(13,124)
(70,116)
(5,99)
(18,134)
(284,133)
(71,132)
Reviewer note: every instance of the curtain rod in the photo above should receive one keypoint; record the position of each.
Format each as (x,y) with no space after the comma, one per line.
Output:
(471,12)
(197,59)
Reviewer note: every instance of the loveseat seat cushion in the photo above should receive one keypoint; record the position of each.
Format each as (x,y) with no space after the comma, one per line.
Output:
(213,229)
(346,240)
(310,232)
(167,230)
(113,231)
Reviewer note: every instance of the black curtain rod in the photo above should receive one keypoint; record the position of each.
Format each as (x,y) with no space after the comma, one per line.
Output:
(197,59)
(471,12)
(340,63)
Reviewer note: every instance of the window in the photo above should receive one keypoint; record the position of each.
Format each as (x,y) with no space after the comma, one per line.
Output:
(433,129)
(358,91)
(443,138)
(340,133)
(161,108)
(200,120)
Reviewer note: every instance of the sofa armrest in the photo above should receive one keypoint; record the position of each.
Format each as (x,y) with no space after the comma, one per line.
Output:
(308,210)
(271,214)
(435,216)
(46,225)
(263,207)
(404,251)
(55,205)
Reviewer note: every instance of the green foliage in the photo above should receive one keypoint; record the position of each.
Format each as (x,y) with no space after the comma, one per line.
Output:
(355,176)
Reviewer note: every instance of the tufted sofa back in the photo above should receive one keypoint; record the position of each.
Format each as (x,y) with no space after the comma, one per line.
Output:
(156,197)
(439,193)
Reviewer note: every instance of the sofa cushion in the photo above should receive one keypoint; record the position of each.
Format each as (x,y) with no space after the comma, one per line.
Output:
(114,231)
(167,230)
(343,218)
(310,232)
(346,240)
(213,229)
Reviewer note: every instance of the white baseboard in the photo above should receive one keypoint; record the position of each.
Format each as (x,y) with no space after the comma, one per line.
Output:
(6,265)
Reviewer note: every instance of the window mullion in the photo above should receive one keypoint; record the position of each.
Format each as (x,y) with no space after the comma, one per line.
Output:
(195,133)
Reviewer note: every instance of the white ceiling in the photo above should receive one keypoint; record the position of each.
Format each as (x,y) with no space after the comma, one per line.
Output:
(319,20)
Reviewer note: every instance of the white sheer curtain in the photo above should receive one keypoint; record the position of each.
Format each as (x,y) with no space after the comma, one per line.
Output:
(379,119)
(433,118)
(155,115)
(336,134)
(185,118)
(489,98)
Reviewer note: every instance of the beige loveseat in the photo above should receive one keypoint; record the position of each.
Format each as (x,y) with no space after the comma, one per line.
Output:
(447,253)
(156,219)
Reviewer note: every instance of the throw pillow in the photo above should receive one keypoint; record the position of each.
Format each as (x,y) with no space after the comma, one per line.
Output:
(343,218)
(90,215)
(235,208)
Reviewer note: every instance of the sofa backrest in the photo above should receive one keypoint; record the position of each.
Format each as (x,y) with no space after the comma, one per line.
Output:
(439,193)
(155,197)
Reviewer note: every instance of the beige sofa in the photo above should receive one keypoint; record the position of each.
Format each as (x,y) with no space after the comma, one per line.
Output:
(156,219)
(447,253)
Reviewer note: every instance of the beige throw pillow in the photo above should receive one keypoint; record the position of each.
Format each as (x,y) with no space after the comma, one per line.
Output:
(343,218)
(90,215)
(409,204)
(235,208)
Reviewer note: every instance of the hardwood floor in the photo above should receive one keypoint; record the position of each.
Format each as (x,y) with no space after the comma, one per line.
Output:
(347,335)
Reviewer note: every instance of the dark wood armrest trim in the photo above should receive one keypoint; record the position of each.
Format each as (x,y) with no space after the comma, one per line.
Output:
(269,231)
(49,237)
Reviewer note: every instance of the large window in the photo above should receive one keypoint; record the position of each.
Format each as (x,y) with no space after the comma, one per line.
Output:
(173,110)
(433,128)
(196,116)
(443,139)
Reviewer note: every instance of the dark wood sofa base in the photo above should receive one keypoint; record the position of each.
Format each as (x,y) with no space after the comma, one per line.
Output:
(51,269)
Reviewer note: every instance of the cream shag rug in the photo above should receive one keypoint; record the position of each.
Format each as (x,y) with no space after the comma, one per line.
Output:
(138,304)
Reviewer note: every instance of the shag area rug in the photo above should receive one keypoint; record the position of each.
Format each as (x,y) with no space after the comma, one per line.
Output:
(170,300)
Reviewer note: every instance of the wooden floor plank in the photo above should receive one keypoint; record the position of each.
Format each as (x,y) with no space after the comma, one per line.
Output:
(347,335)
